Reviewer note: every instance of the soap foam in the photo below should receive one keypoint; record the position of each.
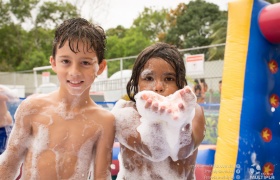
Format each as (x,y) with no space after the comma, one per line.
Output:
(172,120)
(9,93)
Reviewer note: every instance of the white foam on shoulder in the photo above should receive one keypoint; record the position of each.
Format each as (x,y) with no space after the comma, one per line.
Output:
(127,120)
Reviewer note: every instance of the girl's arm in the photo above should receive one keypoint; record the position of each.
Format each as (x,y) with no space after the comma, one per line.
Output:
(198,133)
(127,123)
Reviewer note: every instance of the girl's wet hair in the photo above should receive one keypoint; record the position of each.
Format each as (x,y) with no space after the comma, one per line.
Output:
(80,30)
(164,51)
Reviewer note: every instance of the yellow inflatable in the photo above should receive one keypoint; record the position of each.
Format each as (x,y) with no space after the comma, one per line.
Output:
(249,121)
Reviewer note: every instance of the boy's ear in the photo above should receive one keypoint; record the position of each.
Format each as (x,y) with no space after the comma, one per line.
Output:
(53,63)
(102,66)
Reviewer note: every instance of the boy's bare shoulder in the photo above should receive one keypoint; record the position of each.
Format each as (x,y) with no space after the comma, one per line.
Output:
(38,100)
(103,114)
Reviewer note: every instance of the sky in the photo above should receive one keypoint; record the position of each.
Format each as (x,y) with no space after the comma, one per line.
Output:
(111,13)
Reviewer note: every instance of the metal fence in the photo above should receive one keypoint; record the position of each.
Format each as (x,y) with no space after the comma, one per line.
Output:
(28,82)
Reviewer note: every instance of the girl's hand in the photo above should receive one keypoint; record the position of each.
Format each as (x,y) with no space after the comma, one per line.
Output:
(155,103)
(174,105)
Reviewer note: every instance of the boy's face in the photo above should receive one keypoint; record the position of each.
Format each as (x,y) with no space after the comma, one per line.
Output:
(76,72)
(158,76)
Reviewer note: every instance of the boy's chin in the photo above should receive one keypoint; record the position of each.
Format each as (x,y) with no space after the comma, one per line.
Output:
(76,92)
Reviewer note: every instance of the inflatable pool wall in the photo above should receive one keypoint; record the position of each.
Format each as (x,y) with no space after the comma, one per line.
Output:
(249,120)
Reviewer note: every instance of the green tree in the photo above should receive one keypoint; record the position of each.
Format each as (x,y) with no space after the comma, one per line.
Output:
(52,14)
(11,45)
(130,44)
(273,1)
(21,9)
(193,25)
(119,31)
(4,14)
(38,50)
(218,36)
(151,23)
(147,28)
(20,48)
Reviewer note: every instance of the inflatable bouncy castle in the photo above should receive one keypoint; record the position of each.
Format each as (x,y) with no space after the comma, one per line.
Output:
(248,141)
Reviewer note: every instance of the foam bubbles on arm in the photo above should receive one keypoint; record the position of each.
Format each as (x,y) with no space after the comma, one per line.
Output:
(12,157)
(127,121)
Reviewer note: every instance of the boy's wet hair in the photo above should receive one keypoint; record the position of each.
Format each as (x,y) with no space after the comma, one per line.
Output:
(80,30)
(167,52)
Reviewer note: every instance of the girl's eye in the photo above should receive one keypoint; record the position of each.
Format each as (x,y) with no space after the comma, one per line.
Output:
(170,79)
(148,78)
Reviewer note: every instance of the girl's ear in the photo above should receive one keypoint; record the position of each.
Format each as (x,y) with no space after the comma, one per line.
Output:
(53,63)
(102,66)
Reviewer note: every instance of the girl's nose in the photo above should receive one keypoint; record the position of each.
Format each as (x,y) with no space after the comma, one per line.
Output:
(159,87)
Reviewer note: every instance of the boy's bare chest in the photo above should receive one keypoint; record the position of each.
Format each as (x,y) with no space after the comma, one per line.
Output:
(65,133)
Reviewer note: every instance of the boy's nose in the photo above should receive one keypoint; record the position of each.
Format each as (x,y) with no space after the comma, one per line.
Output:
(74,71)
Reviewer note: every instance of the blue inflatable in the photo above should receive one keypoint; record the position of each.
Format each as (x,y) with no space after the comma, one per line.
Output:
(249,120)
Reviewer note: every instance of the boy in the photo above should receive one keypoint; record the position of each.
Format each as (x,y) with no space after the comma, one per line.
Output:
(62,134)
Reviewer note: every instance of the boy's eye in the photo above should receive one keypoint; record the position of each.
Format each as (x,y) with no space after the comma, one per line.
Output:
(86,63)
(65,61)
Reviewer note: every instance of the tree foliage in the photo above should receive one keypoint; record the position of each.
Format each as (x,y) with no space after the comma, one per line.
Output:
(53,13)
(193,25)
(26,39)
(24,49)
(273,1)
(151,23)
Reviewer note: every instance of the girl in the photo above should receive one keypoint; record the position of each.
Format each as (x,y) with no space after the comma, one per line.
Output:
(160,129)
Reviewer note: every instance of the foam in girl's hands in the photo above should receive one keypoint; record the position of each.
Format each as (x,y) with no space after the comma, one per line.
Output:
(178,111)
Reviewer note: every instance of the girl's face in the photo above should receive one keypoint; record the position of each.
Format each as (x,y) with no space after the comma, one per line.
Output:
(158,76)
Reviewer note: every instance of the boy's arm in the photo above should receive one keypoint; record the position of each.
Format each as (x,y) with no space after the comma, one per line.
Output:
(10,160)
(104,147)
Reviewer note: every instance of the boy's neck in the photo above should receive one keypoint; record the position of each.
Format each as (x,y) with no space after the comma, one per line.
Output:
(74,101)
